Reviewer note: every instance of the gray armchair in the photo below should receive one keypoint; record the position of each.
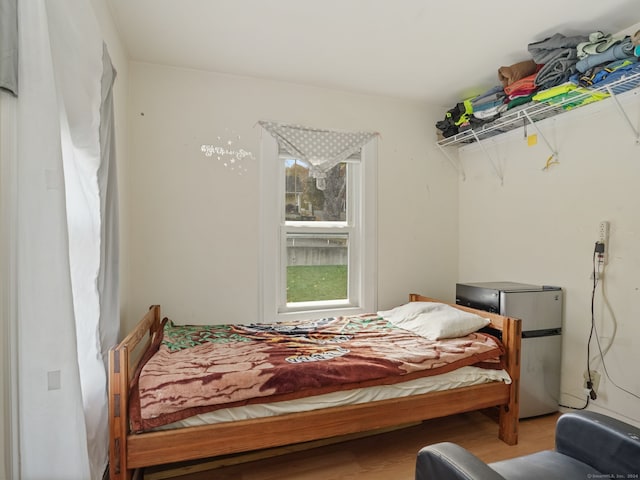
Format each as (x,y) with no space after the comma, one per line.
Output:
(588,445)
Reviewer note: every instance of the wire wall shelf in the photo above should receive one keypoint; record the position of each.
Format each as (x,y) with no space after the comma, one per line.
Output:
(533,112)
(536,111)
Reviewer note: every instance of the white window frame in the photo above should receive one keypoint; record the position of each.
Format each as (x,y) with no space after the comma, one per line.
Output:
(362,229)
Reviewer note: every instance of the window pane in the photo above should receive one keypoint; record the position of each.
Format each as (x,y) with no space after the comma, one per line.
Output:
(303,200)
(317,267)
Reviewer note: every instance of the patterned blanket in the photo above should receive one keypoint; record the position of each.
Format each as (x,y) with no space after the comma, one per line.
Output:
(194,369)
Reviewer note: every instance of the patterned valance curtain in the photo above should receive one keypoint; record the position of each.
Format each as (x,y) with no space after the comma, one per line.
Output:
(9,45)
(322,149)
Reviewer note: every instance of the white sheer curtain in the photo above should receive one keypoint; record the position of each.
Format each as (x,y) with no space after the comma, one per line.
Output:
(8,337)
(64,241)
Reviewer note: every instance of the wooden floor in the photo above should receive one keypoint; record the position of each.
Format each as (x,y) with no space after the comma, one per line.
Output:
(383,456)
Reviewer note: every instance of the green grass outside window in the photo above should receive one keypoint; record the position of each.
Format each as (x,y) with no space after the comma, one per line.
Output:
(307,283)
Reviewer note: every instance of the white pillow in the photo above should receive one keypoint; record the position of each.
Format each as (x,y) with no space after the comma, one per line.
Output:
(435,321)
(408,311)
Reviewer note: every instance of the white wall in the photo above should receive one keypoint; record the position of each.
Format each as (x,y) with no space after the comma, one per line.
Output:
(194,223)
(541,226)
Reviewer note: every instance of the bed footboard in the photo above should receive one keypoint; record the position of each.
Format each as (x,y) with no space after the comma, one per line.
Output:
(123,362)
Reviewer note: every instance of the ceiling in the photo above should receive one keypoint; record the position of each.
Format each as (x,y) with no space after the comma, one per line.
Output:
(438,52)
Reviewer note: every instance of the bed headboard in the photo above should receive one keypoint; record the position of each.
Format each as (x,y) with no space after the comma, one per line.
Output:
(499,322)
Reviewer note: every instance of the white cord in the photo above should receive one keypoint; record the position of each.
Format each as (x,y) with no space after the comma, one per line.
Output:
(599,278)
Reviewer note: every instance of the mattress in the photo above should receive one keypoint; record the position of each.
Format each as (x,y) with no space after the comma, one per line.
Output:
(462,377)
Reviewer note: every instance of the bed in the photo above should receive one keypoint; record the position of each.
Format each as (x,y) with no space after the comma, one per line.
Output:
(131,449)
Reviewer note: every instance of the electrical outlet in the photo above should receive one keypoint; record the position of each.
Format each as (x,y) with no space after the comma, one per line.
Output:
(603,237)
(53,380)
(595,380)
(603,231)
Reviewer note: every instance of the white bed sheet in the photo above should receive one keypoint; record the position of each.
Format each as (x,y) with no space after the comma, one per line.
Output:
(462,377)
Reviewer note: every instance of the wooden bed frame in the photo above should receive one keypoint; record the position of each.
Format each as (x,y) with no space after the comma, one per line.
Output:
(128,451)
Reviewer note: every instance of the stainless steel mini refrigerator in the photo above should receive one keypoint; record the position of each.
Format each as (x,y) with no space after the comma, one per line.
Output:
(540,309)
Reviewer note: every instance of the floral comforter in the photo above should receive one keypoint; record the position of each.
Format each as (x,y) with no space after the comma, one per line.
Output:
(194,369)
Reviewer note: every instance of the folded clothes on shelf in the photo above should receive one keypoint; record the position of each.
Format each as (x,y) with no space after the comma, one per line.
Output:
(593,77)
(559,56)
(620,51)
(549,83)
(569,95)
(513,73)
(598,43)
(622,80)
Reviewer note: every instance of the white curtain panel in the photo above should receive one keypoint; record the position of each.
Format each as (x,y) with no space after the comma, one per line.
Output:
(108,275)
(8,336)
(63,198)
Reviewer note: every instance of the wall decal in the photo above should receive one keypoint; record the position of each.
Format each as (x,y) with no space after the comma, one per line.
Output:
(229,154)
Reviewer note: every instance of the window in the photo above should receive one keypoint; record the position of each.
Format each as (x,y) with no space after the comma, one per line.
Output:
(316,235)
(318,241)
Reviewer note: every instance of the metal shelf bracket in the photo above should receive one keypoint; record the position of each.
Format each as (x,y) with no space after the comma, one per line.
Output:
(453,163)
(486,152)
(554,153)
(622,112)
